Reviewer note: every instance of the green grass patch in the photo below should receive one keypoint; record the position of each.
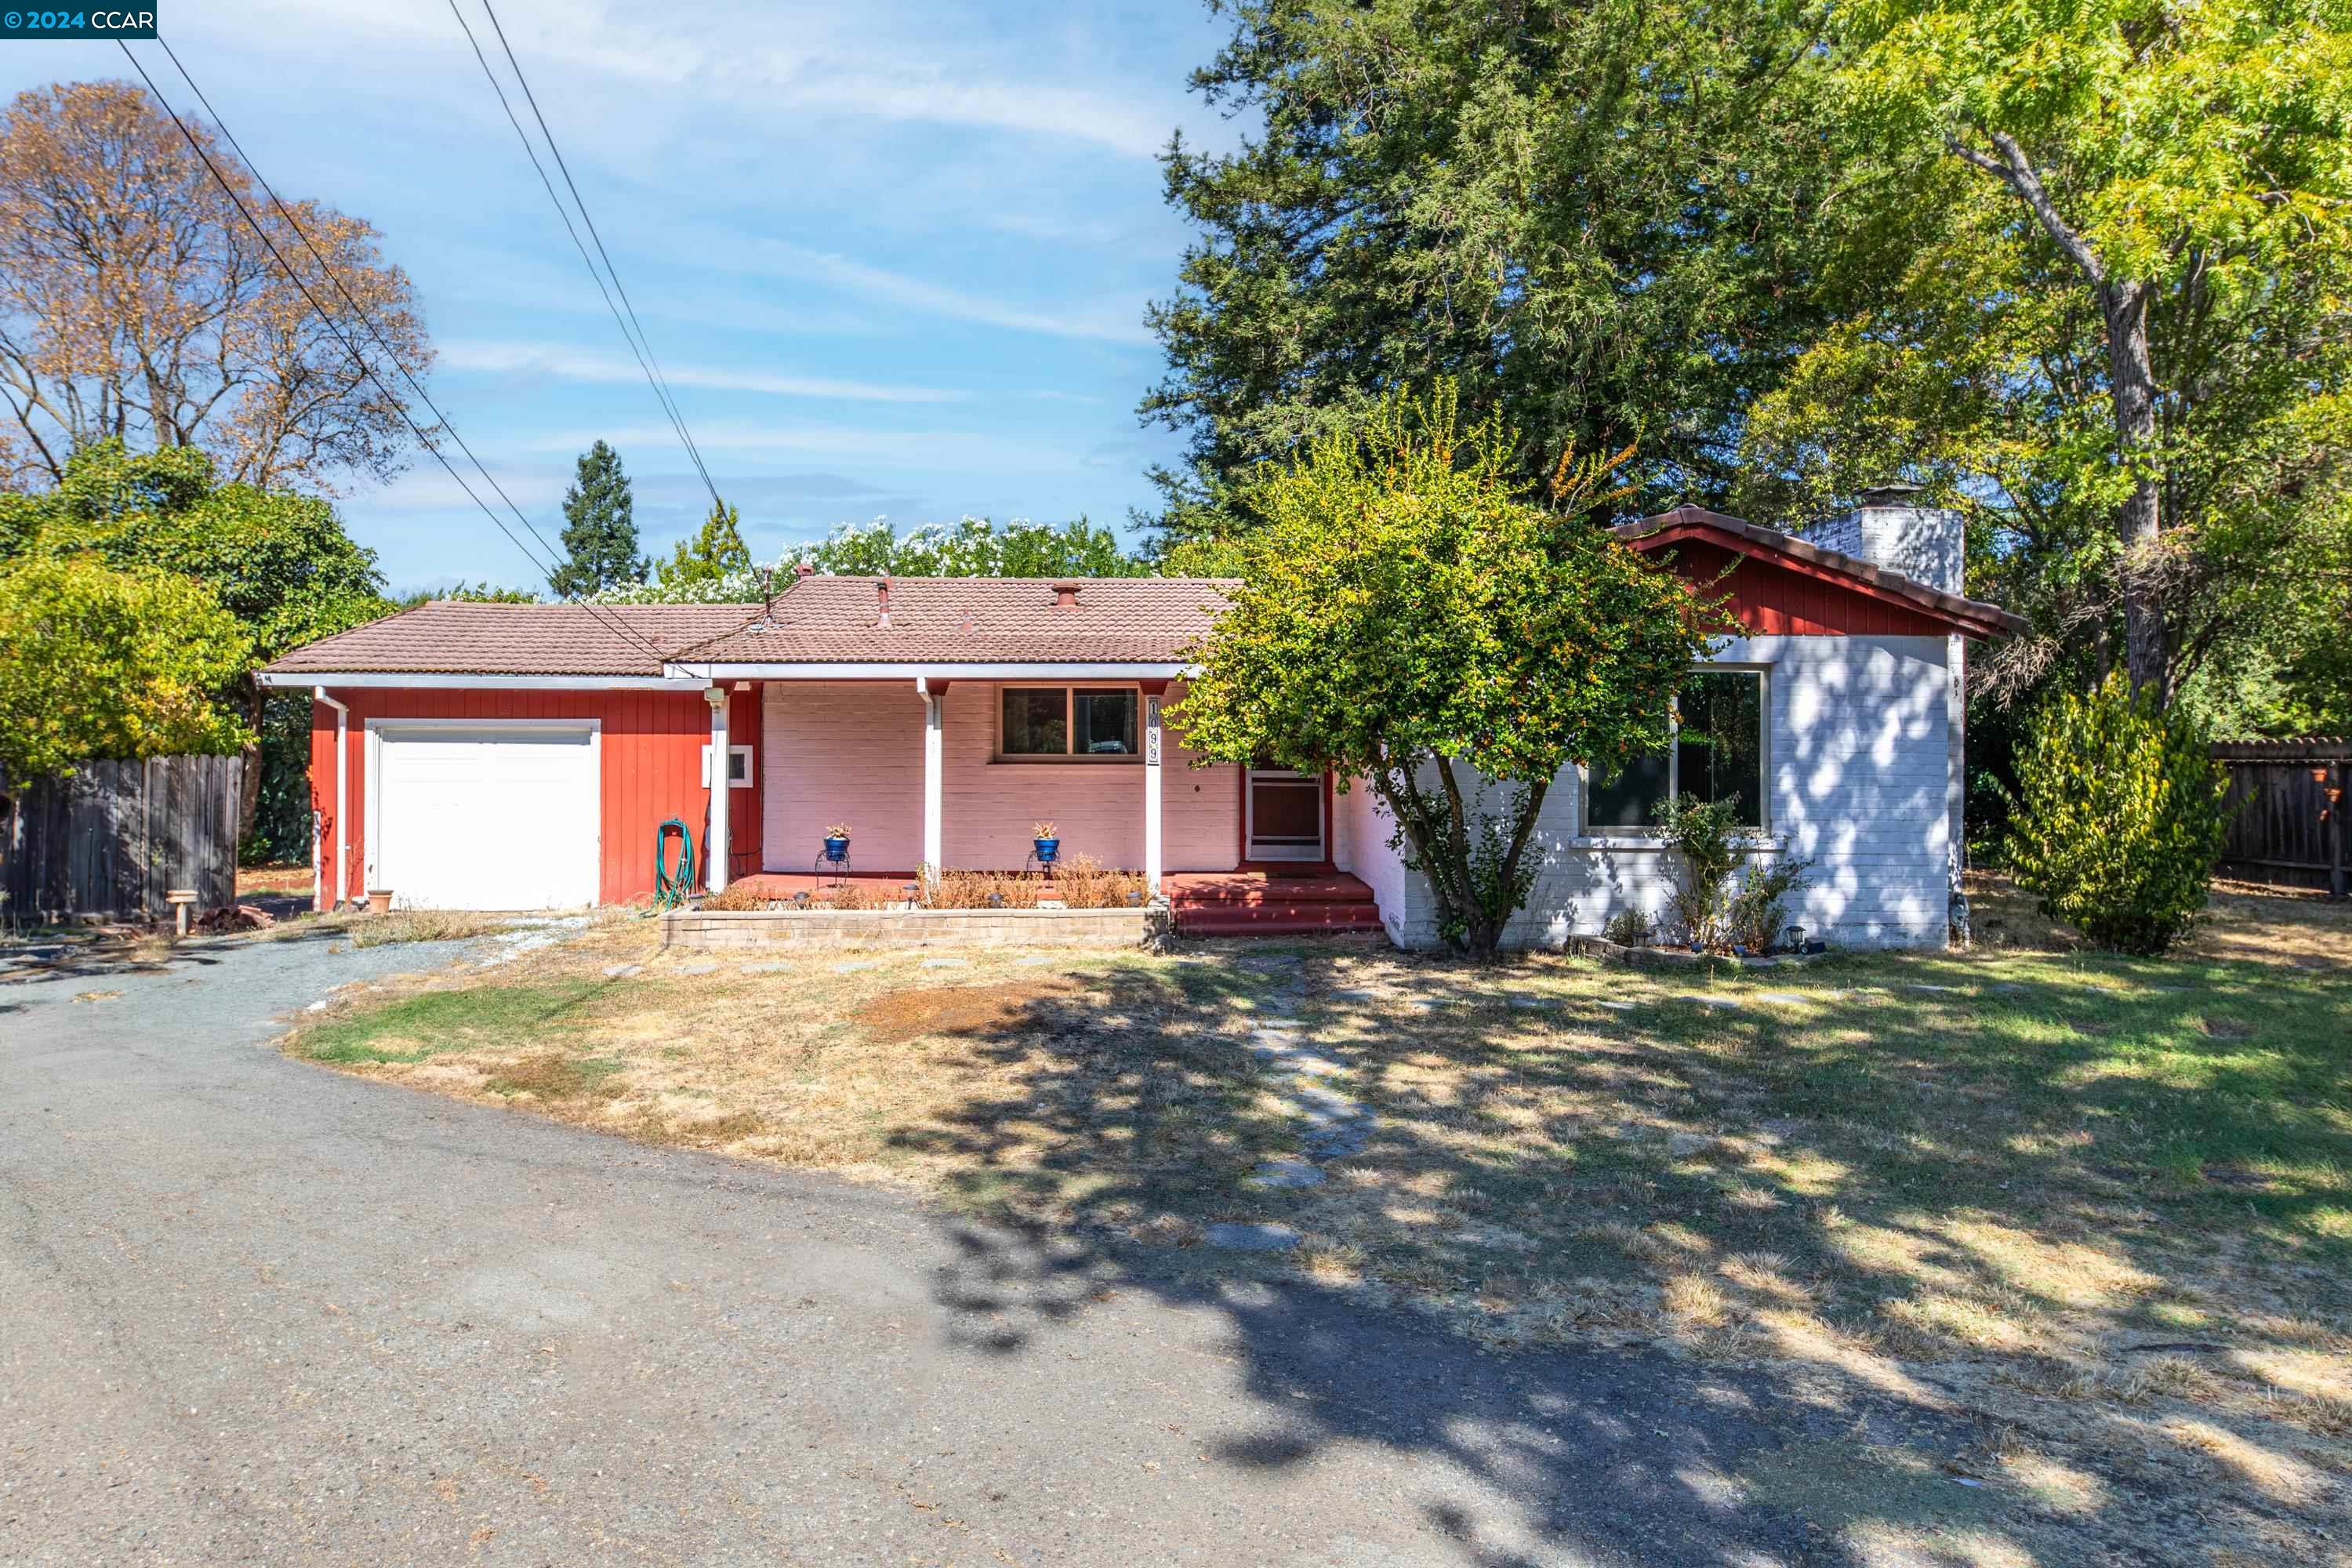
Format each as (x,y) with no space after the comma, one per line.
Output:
(484,1017)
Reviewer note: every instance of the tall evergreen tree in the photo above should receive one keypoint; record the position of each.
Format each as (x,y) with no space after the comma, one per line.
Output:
(600,528)
(1598,218)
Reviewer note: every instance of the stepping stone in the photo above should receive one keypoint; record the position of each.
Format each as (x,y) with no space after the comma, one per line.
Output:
(703,968)
(1942,990)
(1545,1001)
(1286,1173)
(1427,1005)
(1355,993)
(770,967)
(1252,1237)
(853,967)
(1618,1006)
(946,962)
(1713,1000)
(1786,998)
(1276,1025)
(1035,959)
(622,971)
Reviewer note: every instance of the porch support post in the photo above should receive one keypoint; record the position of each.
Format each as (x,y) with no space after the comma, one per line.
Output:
(716,880)
(933,693)
(1152,693)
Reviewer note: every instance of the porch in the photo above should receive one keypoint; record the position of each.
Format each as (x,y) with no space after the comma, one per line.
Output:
(957,774)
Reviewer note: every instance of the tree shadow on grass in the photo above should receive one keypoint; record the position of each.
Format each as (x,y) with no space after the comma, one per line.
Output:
(1785,1361)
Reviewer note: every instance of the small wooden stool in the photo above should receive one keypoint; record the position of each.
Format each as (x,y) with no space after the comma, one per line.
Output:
(180,898)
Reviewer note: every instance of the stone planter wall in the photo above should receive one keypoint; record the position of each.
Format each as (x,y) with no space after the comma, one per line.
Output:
(734,929)
(1679,958)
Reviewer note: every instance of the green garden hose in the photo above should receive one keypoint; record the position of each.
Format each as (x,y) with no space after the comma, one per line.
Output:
(670,891)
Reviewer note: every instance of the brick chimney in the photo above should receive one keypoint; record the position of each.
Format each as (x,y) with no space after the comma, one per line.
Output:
(1928,544)
(1065,595)
(804,570)
(882,600)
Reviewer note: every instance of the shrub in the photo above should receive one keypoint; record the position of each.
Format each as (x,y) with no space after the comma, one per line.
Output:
(1758,912)
(1083,882)
(1629,928)
(1704,837)
(2118,818)
(1710,845)
(973,889)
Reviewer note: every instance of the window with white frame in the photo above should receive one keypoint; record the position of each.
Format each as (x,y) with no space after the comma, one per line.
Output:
(738,766)
(1070,723)
(1718,752)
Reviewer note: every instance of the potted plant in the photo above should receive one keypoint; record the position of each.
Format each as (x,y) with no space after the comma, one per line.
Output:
(836,843)
(1048,843)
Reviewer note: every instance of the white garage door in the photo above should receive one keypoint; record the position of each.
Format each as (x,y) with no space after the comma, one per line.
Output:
(495,816)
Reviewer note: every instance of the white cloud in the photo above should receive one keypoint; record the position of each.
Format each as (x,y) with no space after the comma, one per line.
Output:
(566,363)
(918,451)
(734,54)
(1112,322)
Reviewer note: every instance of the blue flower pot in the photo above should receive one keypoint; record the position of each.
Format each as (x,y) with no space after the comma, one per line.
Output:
(1046,849)
(837,850)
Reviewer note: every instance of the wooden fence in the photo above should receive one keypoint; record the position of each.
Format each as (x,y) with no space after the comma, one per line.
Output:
(111,838)
(2287,809)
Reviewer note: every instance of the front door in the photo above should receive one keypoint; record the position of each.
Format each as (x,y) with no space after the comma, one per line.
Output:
(1284,815)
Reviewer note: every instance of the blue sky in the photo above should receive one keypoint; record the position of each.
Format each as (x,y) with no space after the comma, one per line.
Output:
(894,257)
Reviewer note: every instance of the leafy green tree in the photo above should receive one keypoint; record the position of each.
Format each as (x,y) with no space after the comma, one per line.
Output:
(2122,315)
(1602,218)
(715,554)
(974,547)
(600,529)
(483,593)
(2119,820)
(106,663)
(281,563)
(1408,620)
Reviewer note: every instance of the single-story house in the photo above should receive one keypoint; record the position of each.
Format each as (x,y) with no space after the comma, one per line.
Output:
(524,756)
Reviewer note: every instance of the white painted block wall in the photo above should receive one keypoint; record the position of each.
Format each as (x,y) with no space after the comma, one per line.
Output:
(1858,749)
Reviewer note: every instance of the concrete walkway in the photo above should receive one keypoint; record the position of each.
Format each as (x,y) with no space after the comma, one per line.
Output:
(256,1311)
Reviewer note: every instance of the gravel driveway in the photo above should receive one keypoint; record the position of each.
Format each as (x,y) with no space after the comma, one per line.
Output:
(256,1311)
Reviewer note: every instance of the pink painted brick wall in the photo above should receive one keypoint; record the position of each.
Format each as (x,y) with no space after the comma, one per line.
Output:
(852,751)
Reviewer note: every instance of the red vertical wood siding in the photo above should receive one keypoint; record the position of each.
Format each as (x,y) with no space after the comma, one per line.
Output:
(1771,600)
(650,765)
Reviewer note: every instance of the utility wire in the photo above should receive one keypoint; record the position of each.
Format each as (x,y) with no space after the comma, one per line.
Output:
(633,330)
(605,618)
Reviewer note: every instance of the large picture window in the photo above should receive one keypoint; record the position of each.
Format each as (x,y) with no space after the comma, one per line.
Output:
(1716,753)
(1097,723)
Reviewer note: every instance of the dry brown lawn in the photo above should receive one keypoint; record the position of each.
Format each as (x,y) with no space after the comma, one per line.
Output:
(2102,1205)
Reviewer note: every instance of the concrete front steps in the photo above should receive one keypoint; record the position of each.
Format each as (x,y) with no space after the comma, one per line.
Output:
(1270,903)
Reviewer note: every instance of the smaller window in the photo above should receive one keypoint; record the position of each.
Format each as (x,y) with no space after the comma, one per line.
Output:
(1037,722)
(738,766)
(1106,722)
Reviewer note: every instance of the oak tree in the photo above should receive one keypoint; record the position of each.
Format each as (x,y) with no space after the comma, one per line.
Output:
(137,304)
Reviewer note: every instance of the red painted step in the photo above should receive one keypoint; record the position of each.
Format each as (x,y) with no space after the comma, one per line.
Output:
(1262,919)
(1261,903)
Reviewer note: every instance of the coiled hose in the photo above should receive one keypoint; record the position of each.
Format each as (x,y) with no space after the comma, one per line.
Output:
(671,891)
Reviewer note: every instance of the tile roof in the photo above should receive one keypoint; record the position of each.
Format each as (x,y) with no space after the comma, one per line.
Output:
(450,637)
(994,620)
(816,620)
(1980,613)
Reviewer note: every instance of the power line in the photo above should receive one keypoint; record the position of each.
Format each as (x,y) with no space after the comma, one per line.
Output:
(606,620)
(633,330)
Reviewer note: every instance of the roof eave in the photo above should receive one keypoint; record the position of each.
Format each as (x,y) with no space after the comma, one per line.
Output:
(1973,617)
